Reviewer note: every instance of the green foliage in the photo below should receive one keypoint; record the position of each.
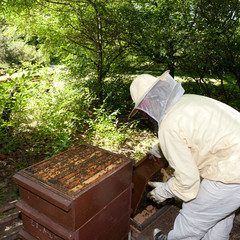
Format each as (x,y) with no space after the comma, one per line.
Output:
(52,110)
(15,53)
(101,43)
(47,109)
(99,38)
(86,34)
(104,130)
(107,131)
(116,93)
(156,30)
(213,46)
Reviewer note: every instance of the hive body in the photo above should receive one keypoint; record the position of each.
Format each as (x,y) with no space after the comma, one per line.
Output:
(83,193)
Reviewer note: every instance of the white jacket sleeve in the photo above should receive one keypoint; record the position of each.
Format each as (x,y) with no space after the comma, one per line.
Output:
(186,180)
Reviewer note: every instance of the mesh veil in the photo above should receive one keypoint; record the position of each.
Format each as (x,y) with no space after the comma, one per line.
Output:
(161,97)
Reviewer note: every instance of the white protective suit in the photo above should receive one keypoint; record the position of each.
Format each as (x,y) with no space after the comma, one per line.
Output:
(200,137)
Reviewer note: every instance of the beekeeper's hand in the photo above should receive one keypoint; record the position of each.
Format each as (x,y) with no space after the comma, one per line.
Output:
(161,191)
(155,151)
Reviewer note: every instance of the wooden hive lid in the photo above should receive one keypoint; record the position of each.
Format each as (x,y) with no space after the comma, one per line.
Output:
(77,169)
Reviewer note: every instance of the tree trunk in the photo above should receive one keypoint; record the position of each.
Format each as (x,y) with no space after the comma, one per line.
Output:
(7,110)
(171,67)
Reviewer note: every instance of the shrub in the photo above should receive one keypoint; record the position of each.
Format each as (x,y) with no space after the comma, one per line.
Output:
(46,113)
(15,53)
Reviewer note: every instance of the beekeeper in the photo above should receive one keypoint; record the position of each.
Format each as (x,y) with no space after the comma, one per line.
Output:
(200,138)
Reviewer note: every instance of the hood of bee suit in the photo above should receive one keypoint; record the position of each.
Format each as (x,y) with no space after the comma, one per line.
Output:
(155,96)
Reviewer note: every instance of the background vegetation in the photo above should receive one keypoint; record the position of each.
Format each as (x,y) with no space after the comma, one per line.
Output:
(67,65)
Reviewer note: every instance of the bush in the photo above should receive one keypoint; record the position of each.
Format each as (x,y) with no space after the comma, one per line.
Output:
(46,113)
(51,111)
(16,53)
(104,129)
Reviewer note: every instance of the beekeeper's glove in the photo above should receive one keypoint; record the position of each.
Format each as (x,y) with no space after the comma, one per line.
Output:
(161,191)
(155,152)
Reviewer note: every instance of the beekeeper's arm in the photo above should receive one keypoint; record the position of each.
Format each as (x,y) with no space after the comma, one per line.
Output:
(177,150)
(186,180)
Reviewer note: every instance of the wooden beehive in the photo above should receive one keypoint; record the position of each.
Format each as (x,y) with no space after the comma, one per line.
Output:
(82,193)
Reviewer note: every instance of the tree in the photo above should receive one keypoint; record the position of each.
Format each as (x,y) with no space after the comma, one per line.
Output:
(215,44)
(85,32)
(199,37)
(157,30)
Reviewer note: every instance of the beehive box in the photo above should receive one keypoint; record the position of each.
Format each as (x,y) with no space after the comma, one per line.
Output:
(85,191)
(145,170)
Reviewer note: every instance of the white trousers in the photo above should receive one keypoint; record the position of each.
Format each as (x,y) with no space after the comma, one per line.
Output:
(210,215)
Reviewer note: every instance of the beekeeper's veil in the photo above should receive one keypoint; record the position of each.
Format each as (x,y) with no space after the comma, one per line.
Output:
(155,96)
